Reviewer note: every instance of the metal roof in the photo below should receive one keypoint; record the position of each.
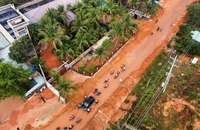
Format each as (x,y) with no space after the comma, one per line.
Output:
(196,36)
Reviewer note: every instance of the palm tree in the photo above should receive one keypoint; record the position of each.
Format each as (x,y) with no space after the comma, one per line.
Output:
(118,30)
(150,8)
(52,33)
(62,15)
(78,25)
(111,8)
(128,24)
(55,75)
(65,52)
(100,53)
(92,16)
(38,60)
(65,87)
(81,41)
(52,14)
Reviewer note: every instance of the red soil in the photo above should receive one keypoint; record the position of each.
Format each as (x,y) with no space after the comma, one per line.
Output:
(51,60)
(137,54)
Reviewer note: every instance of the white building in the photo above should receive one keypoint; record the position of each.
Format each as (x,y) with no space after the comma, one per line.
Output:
(13,25)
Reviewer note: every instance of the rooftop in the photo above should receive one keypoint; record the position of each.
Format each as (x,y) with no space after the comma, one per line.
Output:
(12,22)
(196,36)
(36,14)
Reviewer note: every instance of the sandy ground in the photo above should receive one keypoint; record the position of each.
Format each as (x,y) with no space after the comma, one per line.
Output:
(27,112)
(11,102)
(138,54)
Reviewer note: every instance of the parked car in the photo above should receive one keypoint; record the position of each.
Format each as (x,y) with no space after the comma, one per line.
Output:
(87,103)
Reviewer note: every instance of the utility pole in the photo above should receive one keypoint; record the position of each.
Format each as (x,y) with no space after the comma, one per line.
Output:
(169,75)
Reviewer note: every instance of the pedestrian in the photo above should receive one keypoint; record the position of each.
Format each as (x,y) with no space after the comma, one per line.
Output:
(156,21)
(120,80)
(18,128)
(151,33)
(95,90)
(158,28)
(37,119)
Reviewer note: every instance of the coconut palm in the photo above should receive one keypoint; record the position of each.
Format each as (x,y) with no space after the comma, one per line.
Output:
(65,52)
(52,33)
(100,53)
(78,25)
(65,86)
(118,30)
(52,14)
(62,15)
(111,8)
(128,23)
(81,41)
(92,17)
(150,8)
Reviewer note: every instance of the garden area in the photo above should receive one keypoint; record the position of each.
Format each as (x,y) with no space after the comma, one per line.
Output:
(69,37)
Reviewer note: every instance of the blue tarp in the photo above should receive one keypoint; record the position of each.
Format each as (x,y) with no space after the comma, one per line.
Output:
(32,68)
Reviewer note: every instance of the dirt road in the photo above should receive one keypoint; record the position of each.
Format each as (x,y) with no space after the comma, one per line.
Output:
(138,54)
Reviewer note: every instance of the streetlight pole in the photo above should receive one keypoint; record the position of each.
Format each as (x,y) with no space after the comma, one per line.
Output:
(106,118)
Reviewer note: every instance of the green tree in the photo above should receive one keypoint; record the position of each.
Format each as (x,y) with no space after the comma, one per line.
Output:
(111,8)
(34,30)
(128,23)
(118,31)
(20,49)
(100,53)
(13,80)
(81,41)
(193,14)
(65,52)
(52,33)
(65,86)
(150,8)
(62,16)
(35,61)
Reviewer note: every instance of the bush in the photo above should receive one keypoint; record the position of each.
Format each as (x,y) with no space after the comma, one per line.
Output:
(81,69)
(90,69)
